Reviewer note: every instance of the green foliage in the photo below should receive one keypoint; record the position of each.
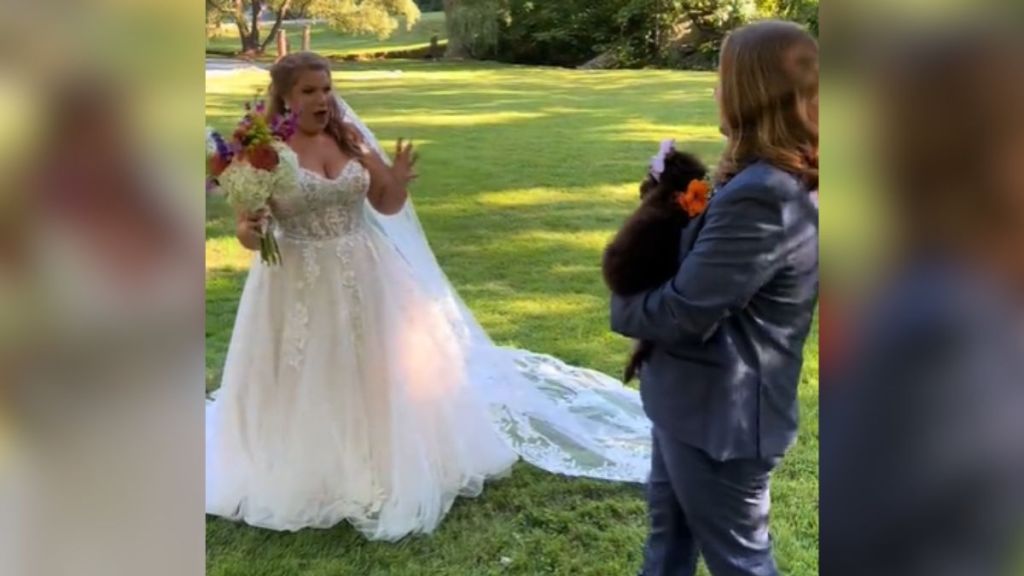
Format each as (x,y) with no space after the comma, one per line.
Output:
(334,44)
(430,5)
(571,32)
(636,33)
(802,11)
(562,34)
(214,14)
(379,18)
(717,15)
(476,25)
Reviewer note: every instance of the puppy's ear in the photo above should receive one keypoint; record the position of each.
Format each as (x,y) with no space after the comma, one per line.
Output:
(681,168)
(648,185)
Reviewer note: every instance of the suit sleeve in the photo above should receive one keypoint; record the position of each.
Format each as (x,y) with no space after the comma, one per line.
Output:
(736,253)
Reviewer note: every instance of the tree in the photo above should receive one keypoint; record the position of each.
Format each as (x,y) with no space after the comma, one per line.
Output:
(378,17)
(713,18)
(300,8)
(801,11)
(619,33)
(430,5)
(246,16)
(473,26)
(372,17)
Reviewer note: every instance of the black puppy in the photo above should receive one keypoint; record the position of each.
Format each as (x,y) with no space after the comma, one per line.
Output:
(645,252)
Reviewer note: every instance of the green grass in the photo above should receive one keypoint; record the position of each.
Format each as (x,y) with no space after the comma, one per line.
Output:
(331,43)
(525,174)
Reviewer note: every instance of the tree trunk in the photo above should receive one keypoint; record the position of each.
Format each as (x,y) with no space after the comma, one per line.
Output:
(254,31)
(435,47)
(277,24)
(306,32)
(456,47)
(244,33)
(282,44)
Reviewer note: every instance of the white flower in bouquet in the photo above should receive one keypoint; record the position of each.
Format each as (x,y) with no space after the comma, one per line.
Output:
(249,188)
(255,164)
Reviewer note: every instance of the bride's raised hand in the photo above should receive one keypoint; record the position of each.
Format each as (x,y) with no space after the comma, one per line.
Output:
(403,168)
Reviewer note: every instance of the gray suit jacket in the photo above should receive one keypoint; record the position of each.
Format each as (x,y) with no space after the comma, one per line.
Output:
(729,329)
(921,458)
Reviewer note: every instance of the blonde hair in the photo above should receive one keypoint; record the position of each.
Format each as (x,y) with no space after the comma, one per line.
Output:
(769,83)
(283,75)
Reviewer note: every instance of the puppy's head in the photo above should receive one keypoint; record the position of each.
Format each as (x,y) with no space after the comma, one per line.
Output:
(680,169)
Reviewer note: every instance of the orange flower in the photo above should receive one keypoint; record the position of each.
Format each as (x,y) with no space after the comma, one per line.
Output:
(217,165)
(263,157)
(695,199)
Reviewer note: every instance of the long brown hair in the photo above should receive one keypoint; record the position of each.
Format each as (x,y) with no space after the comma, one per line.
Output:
(768,72)
(950,129)
(283,76)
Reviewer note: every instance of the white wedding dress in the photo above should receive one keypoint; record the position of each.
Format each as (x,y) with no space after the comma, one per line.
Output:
(358,387)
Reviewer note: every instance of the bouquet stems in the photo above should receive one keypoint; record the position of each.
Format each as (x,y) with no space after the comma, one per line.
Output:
(270,252)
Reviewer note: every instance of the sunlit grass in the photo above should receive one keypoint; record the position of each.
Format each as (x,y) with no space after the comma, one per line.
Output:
(554,196)
(427,118)
(525,175)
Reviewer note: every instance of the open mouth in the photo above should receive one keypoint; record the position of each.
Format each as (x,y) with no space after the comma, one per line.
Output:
(320,115)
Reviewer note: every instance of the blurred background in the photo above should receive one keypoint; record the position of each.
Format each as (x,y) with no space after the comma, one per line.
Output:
(922,289)
(101,293)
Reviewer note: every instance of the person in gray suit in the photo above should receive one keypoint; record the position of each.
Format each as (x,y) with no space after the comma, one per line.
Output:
(720,386)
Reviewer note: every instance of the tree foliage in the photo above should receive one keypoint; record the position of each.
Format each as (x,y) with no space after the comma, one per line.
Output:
(802,11)
(684,33)
(246,15)
(376,17)
(474,26)
(430,5)
(379,18)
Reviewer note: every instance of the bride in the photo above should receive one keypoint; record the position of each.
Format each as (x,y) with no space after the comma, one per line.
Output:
(357,386)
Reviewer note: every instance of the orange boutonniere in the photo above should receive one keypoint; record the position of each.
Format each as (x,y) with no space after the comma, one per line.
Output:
(694,200)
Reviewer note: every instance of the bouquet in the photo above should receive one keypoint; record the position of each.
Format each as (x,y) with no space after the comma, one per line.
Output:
(252,165)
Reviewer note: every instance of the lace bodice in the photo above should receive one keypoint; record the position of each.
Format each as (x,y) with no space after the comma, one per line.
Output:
(320,208)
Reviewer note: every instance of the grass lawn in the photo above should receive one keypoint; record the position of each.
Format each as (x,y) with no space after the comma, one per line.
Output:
(330,43)
(525,175)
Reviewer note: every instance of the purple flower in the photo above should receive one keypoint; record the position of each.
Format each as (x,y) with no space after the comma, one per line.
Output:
(283,127)
(223,150)
(658,161)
